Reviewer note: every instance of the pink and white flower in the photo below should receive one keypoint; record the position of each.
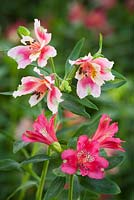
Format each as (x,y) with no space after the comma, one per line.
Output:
(43,131)
(105,132)
(86,159)
(32,49)
(38,87)
(92,74)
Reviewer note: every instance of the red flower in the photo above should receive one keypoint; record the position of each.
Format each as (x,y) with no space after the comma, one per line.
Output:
(43,131)
(105,134)
(86,159)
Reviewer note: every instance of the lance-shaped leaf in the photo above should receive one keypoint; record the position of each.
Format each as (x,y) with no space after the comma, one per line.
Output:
(118,81)
(90,195)
(8,165)
(55,188)
(18,145)
(74,55)
(36,159)
(24,186)
(98,53)
(115,161)
(75,108)
(6,93)
(58,172)
(104,186)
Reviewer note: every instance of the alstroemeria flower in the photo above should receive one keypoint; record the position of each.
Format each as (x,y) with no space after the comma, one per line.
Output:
(43,131)
(105,134)
(86,159)
(92,74)
(38,87)
(33,49)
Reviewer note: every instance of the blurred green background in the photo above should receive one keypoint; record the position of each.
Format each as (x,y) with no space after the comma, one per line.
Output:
(69,21)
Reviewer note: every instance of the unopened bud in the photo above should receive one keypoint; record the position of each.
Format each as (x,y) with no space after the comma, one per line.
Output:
(56,146)
(65,87)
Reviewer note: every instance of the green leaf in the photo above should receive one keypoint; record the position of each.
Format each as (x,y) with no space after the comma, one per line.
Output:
(18,145)
(72,105)
(104,186)
(24,186)
(8,165)
(36,159)
(76,188)
(98,53)
(74,55)
(23,31)
(88,195)
(118,75)
(112,85)
(58,172)
(72,143)
(86,102)
(6,93)
(88,127)
(118,82)
(55,188)
(115,161)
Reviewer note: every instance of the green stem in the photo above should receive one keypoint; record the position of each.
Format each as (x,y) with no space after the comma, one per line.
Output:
(43,177)
(30,171)
(54,70)
(24,180)
(70,192)
(53,66)
(71,74)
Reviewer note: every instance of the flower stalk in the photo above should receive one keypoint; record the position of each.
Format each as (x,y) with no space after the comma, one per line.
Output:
(54,70)
(43,177)
(70,192)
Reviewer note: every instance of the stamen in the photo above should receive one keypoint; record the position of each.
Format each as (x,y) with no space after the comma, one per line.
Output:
(84,156)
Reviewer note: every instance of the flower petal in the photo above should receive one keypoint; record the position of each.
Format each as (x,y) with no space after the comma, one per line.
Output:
(105,134)
(70,161)
(103,62)
(81,143)
(30,136)
(46,53)
(81,60)
(21,55)
(106,66)
(29,85)
(26,39)
(41,33)
(96,169)
(36,98)
(103,128)
(86,86)
(53,99)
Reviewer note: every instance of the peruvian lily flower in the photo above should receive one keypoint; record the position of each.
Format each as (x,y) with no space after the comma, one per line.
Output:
(105,132)
(33,49)
(86,159)
(92,74)
(38,87)
(43,131)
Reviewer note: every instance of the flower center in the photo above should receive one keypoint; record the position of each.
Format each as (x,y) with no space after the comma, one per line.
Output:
(88,70)
(34,45)
(84,157)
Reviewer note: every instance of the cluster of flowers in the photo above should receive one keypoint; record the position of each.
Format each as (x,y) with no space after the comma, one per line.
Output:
(86,158)
(91,75)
